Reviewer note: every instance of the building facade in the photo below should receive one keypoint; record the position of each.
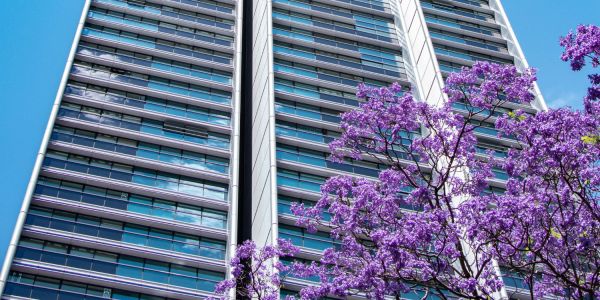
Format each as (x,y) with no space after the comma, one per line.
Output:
(136,179)
(184,126)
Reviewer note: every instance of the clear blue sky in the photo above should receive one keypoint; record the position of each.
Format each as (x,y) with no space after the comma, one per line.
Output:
(36,36)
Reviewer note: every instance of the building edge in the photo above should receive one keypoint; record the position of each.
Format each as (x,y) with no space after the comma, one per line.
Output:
(12,246)
(234,184)
(519,51)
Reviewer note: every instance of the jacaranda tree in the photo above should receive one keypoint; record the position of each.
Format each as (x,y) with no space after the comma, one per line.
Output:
(546,227)
(434,170)
(432,224)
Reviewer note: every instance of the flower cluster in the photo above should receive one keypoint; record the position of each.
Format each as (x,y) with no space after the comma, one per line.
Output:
(580,46)
(546,227)
(483,84)
(403,233)
(583,44)
(430,224)
(256,271)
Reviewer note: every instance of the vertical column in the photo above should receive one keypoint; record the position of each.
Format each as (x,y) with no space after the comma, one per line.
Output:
(429,81)
(264,190)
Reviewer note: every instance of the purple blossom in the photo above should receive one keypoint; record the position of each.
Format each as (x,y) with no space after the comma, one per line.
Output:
(429,224)
(547,223)
(256,271)
(482,85)
(543,229)
(582,45)
(386,249)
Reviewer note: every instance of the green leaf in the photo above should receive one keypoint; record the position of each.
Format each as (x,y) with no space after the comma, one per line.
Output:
(555,234)
(513,115)
(590,139)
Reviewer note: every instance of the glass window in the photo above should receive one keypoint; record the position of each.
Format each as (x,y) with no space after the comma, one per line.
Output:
(157,265)
(105,256)
(183,270)
(97,291)
(122,295)
(47,282)
(41,211)
(22,278)
(56,247)
(88,220)
(186,238)
(82,252)
(94,190)
(31,243)
(74,287)
(112,224)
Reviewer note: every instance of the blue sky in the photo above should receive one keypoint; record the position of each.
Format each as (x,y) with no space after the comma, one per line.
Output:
(36,36)
(538,24)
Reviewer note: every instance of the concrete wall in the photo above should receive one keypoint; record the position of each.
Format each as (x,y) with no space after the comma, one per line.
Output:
(429,81)
(264,189)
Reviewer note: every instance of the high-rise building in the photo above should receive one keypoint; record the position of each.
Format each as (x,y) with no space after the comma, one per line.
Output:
(183,126)
(136,178)
(313,53)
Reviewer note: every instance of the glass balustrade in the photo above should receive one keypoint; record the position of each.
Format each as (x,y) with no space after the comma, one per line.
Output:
(319,159)
(126,266)
(142,60)
(120,76)
(172,12)
(209,4)
(126,173)
(326,57)
(113,199)
(159,26)
(302,238)
(31,286)
(435,19)
(458,11)
(314,92)
(155,152)
(304,181)
(307,111)
(176,109)
(135,39)
(153,127)
(125,232)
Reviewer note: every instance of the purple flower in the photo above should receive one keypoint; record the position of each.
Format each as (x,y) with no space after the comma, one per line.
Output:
(256,271)
(433,223)
(387,249)
(427,224)
(580,46)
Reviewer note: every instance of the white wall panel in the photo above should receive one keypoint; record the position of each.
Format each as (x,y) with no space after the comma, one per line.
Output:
(264,199)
